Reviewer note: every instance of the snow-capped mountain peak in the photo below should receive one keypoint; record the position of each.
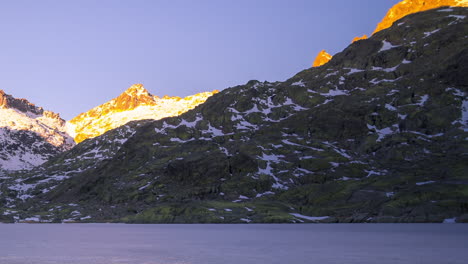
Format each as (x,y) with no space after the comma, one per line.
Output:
(135,103)
(29,135)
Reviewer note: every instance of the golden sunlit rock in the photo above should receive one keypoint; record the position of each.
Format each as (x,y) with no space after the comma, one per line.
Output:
(359,38)
(136,103)
(322,58)
(408,7)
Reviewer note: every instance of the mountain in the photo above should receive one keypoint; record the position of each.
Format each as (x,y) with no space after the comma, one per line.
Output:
(401,9)
(29,135)
(322,58)
(378,134)
(136,103)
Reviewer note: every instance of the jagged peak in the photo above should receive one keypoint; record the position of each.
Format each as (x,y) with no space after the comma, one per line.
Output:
(22,105)
(133,97)
(137,90)
(322,58)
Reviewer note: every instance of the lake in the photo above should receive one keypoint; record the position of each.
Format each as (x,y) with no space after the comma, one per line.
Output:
(233,244)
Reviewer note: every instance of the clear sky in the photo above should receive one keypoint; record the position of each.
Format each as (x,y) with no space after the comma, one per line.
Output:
(69,56)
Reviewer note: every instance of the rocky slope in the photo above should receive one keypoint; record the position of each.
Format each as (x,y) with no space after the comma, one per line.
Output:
(29,135)
(378,134)
(136,103)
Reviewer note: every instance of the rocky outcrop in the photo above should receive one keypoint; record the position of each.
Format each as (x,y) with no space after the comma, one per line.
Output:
(136,103)
(359,38)
(23,105)
(322,58)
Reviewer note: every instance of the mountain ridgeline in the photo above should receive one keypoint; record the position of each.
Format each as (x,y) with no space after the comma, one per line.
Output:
(377,134)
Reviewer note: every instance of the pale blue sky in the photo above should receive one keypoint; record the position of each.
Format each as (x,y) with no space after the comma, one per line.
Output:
(69,56)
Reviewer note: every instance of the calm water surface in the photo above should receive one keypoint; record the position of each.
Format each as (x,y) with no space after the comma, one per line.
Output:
(233,244)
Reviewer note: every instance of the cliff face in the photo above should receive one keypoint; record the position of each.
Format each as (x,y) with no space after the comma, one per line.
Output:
(136,103)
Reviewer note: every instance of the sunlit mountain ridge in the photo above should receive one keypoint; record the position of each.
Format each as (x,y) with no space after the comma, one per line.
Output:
(136,103)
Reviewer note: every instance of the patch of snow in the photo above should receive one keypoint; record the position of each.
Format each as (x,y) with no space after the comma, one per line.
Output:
(375,81)
(246,220)
(372,172)
(445,10)
(263,194)
(390,107)
(248,209)
(144,187)
(455,91)
(427,34)
(74,213)
(296,107)
(353,71)
(331,74)
(299,83)
(423,100)
(211,209)
(450,221)
(390,194)
(310,218)
(335,92)
(32,219)
(424,183)
(458,16)
(425,135)
(387,46)
(385,69)
(464,115)
(227,210)
(86,217)
(382,133)
(340,151)
(406,61)
(180,140)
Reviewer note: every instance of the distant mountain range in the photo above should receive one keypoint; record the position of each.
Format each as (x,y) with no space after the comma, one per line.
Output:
(377,134)
(31,135)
